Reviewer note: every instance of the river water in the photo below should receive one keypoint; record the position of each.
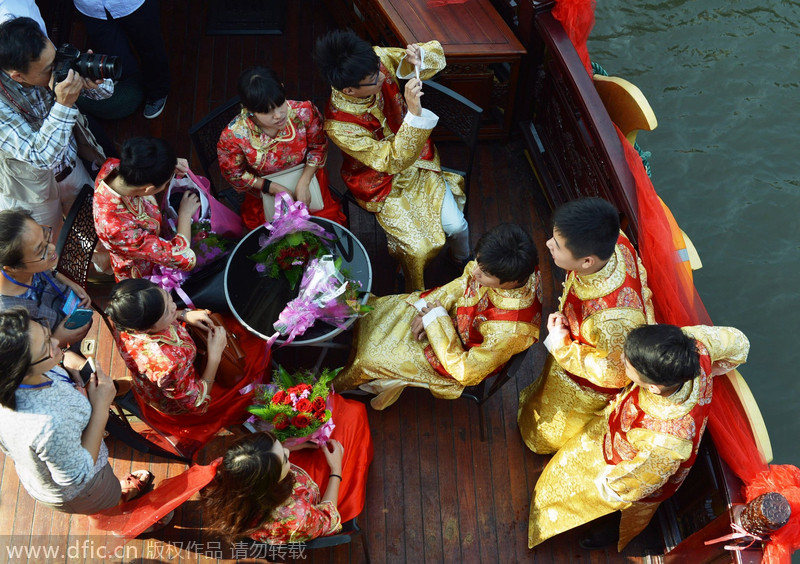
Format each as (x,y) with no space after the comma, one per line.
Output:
(722,77)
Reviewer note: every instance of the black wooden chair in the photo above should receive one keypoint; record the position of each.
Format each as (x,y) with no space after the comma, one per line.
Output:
(481,393)
(457,117)
(205,135)
(284,552)
(76,244)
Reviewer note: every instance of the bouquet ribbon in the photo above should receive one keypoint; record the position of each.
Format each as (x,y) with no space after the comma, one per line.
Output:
(290,217)
(319,298)
(169,279)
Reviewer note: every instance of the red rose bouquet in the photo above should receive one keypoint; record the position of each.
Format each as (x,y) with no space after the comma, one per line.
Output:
(292,242)
(295,406)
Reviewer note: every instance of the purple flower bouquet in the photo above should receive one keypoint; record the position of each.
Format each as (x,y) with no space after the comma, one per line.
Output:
(326,293)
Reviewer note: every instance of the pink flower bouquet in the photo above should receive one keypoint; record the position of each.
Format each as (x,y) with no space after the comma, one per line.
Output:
(292,242)
(326,293)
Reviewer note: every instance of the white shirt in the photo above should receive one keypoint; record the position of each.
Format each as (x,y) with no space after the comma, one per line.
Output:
(21,8)
(117,8)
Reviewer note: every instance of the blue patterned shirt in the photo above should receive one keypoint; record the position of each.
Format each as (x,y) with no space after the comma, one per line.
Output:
(53,146)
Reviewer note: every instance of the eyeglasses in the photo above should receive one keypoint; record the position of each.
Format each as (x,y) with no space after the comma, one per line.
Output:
(377,77)
(47,232)
(51,352)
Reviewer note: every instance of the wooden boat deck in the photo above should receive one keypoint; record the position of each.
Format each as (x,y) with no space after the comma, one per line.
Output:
(436,493)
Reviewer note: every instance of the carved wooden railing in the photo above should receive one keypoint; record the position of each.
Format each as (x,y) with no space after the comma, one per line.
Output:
(573,144)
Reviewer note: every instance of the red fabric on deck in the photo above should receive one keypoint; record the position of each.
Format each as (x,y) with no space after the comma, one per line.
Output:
(352,430)
(227,407)
(130,519)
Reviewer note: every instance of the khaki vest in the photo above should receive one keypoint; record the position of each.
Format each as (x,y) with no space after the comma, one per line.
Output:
(22,181)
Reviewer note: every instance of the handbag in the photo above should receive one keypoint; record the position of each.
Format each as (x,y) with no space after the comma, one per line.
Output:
(289,178)
(223,221)
(231,366)
(205,285)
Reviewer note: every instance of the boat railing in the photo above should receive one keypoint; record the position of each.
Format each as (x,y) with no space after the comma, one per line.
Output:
(571,140)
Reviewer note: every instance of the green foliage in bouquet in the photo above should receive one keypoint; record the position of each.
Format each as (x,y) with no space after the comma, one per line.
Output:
(352,296)
(206,244)
(289,255)
(295,404)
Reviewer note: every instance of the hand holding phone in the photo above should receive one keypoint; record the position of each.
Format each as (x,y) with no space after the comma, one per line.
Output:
(87,370)
(78,318)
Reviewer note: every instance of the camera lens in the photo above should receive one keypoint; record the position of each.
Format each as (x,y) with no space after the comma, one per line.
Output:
(96,67)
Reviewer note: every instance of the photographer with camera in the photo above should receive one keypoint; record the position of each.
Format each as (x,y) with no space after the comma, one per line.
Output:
(42,133)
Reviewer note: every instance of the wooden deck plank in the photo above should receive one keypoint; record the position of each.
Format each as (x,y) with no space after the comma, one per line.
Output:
(430,479)
(374,517)
(468,504)
(394,471)
(449,482)
(411,478)
(486,511)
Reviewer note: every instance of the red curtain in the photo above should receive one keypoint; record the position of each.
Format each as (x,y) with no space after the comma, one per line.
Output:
(577,19)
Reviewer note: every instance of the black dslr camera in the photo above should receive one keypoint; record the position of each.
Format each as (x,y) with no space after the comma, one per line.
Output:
(88,65)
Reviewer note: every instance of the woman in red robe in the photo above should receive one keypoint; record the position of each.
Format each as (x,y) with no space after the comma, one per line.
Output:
(263,491)
(272,134)
(127,216)
(156,346)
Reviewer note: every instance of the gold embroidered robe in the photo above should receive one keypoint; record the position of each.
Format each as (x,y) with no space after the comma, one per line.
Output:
(484,329)
(391,167)
(580,378)
(636,453)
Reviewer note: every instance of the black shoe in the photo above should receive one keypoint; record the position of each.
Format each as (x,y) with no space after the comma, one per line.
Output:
(604,533)
(459,263)
(153,108)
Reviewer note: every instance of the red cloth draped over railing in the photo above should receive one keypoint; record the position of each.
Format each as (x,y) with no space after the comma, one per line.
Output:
(577,19)
(676,302)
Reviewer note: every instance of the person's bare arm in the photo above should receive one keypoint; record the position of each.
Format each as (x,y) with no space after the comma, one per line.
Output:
(334,452)
(100,390)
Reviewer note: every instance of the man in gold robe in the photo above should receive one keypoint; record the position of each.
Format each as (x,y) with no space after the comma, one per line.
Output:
(454,336)
(638,452)
(390,165)
(605,296)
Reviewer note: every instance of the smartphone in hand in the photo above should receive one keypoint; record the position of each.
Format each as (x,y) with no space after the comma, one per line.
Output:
(78,318)
(87,370)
